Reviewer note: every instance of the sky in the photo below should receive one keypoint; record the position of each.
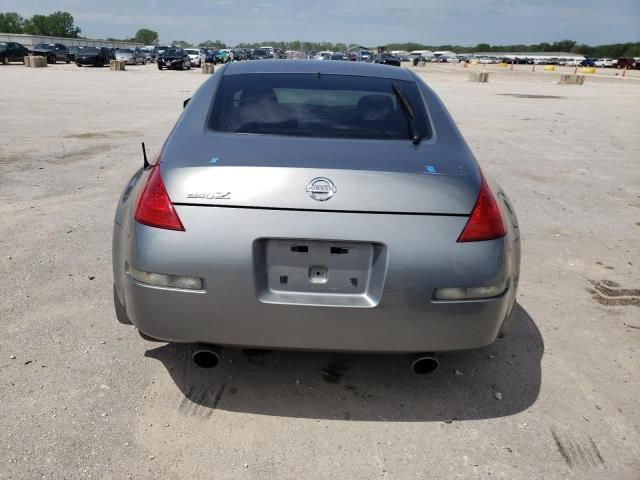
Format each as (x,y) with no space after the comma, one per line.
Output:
(369,23)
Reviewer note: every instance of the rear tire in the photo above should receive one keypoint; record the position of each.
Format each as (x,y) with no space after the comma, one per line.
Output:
(159,67)
(5,60)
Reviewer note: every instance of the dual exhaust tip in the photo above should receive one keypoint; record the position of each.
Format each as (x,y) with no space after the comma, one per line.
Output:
(209,357)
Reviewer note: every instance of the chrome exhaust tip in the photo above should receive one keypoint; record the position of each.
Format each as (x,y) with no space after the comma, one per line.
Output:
(424,365)
(206,356)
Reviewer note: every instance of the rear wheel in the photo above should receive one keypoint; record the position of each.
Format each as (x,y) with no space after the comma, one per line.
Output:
(144,61)
(159,67)
(68,60)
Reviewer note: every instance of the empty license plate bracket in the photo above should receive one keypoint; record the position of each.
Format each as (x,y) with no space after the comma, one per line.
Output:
(319,272)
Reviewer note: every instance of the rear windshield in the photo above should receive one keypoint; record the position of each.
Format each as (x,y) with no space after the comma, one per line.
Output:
(314,105)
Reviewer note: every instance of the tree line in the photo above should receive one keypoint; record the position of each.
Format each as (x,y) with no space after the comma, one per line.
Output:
(58,24)
(61,24)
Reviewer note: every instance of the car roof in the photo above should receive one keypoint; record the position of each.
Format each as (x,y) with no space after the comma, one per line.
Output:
(319,66)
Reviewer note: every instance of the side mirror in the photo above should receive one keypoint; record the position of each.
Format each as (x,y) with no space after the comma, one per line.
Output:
(186,102)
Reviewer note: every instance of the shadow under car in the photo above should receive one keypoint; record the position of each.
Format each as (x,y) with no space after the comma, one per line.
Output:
(500,380)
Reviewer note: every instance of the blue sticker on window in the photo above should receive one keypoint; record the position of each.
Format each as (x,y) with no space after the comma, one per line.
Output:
(430,169)
(214,160)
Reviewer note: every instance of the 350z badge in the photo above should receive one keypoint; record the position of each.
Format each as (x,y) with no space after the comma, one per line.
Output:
(211,196)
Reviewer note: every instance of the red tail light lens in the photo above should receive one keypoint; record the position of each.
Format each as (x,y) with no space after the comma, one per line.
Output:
(485,221)
(154,205)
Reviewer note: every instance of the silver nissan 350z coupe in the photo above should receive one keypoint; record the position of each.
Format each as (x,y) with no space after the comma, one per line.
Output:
(316,205)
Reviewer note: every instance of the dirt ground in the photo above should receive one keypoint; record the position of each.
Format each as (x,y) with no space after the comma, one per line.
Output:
(84,397)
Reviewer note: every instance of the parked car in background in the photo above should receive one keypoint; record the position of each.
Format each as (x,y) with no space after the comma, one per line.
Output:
(208,55)
(98,57)
(605,62)
(384,59)
(570,62)
(12,52)
(222,56)
(363,55)
(194,55)
(269,49)
(150,53)
(73,51)
(55,52)
(131,56)
(339,56)
(261,54)
(628,63)
(174,58)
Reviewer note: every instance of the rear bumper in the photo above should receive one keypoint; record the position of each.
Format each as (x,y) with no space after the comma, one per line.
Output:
(181,316)
(422,253)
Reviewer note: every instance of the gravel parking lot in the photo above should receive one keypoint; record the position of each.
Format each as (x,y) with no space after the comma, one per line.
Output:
(85,397)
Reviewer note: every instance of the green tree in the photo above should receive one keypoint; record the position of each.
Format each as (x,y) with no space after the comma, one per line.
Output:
(11,22)
(146,36)
(58,24)
(212,44)
(181,44)
(562,46)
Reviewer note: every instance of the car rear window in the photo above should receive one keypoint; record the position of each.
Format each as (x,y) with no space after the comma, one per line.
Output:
(316,105)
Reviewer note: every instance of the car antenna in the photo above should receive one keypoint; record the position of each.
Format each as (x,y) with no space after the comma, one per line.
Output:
(144,156)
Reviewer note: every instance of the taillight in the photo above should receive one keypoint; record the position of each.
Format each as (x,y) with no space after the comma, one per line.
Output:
(154,205)
(485,221)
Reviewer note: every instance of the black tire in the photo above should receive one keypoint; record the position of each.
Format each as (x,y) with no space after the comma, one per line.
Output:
(78,64)
(5,60)
(68,60)
(144,61)
(51,60)
(159,67)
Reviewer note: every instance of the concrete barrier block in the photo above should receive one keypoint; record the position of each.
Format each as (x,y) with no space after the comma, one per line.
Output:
(27,61)
(117,65)
(571,79)
(549,68)
(38,62)
(207,68)
(482,77)
(589,70)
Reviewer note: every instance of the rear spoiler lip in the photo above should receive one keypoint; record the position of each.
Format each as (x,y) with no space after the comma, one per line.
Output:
(323,210)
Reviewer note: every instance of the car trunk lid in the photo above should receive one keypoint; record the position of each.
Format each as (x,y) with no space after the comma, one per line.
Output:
(321,189)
